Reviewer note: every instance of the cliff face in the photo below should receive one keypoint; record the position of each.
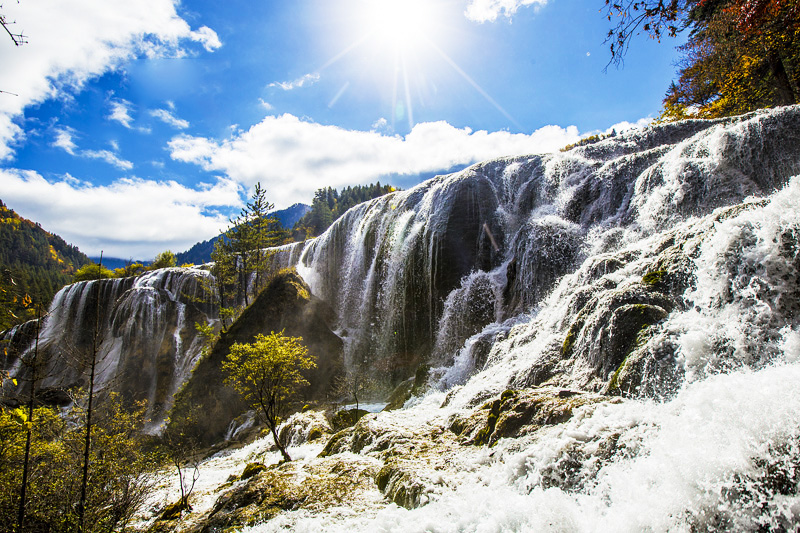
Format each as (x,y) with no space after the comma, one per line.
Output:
(414,275)
(455,272)
(284,305)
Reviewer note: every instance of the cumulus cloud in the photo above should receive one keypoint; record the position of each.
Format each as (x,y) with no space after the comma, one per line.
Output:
(207,37)
(64,140)
(121,112)
(292,158)
(308,79)
(72,42)
(109,157)
(489,10)
(168,117)
(128,218)
(619,127)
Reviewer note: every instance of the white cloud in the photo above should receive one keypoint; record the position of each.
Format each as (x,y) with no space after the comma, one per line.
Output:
(292,158)
(265,105)
(121,112)
(489,10)
(619,127)
(308,79)
(129,218)
(64,140)
(169,118)
(207,37)
(72,42)
(109,157)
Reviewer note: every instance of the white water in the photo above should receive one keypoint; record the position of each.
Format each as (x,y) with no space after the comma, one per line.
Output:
(710,437)
(716,447)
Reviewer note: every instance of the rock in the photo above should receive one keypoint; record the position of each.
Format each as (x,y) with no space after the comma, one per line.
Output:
(518,412)
(286,304)
(347,418)
(251,470)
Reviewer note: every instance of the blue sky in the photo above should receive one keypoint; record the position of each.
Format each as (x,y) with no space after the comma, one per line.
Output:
(135,126)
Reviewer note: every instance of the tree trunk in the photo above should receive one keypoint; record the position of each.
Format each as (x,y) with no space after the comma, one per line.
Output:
(784,94)
(274,430)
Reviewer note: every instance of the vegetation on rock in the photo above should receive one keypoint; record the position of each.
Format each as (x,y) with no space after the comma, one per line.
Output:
(741,55)
(268,373)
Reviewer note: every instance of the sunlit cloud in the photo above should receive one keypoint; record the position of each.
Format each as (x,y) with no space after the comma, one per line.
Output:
(64,140)
(308,79)
(109,157)
(490,10)
(292,158)
(169,118)
(129,218)
(121,112)
(72,42)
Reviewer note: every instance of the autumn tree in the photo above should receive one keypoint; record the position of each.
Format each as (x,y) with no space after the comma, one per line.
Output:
(91,272)
(165,259)
(268,373)
(740,55)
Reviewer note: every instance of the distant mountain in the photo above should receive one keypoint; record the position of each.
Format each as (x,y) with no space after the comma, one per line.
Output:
(38,262)
(288,217)
(201,252)
(116,262)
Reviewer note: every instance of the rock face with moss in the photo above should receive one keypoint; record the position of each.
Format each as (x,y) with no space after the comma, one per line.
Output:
(286,304)
(415,275)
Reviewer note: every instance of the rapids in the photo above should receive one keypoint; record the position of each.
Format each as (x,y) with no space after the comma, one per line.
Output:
(649,282)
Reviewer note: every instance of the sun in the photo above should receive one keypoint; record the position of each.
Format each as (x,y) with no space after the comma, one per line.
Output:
(404,25)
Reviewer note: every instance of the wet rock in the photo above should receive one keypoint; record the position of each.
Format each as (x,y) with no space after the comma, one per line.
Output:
(346,418)
(286,304)
(519,412)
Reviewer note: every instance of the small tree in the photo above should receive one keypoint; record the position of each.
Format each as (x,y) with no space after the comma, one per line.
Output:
(353,384)
(165,259)
(92,271)
(268,373)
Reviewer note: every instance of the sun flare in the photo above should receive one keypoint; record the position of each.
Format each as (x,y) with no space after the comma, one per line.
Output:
(402,24)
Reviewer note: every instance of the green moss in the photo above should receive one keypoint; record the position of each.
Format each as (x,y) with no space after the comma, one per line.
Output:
(654,277)
(641,339)
(251,470)
(315,433)
(569,341)
(507,395)
(484,435)
(332,446)
(174,511)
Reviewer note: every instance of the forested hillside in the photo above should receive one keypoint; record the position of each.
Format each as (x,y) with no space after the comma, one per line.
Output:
(329,204)
(33,262)
(201,252)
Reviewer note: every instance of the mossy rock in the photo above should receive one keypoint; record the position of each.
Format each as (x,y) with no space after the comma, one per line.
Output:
(251,470)
(337,443)
(315,433)
(654,278)
(399,486)
(175,510)
(517,412)
(400,395)
(347,418)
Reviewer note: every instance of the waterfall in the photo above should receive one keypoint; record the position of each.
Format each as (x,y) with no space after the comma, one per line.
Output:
(416,274)
(146,335)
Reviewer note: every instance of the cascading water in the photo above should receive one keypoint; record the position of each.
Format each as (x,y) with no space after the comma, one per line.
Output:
(692,313)
(658,270)
(414,274)
(146,336)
